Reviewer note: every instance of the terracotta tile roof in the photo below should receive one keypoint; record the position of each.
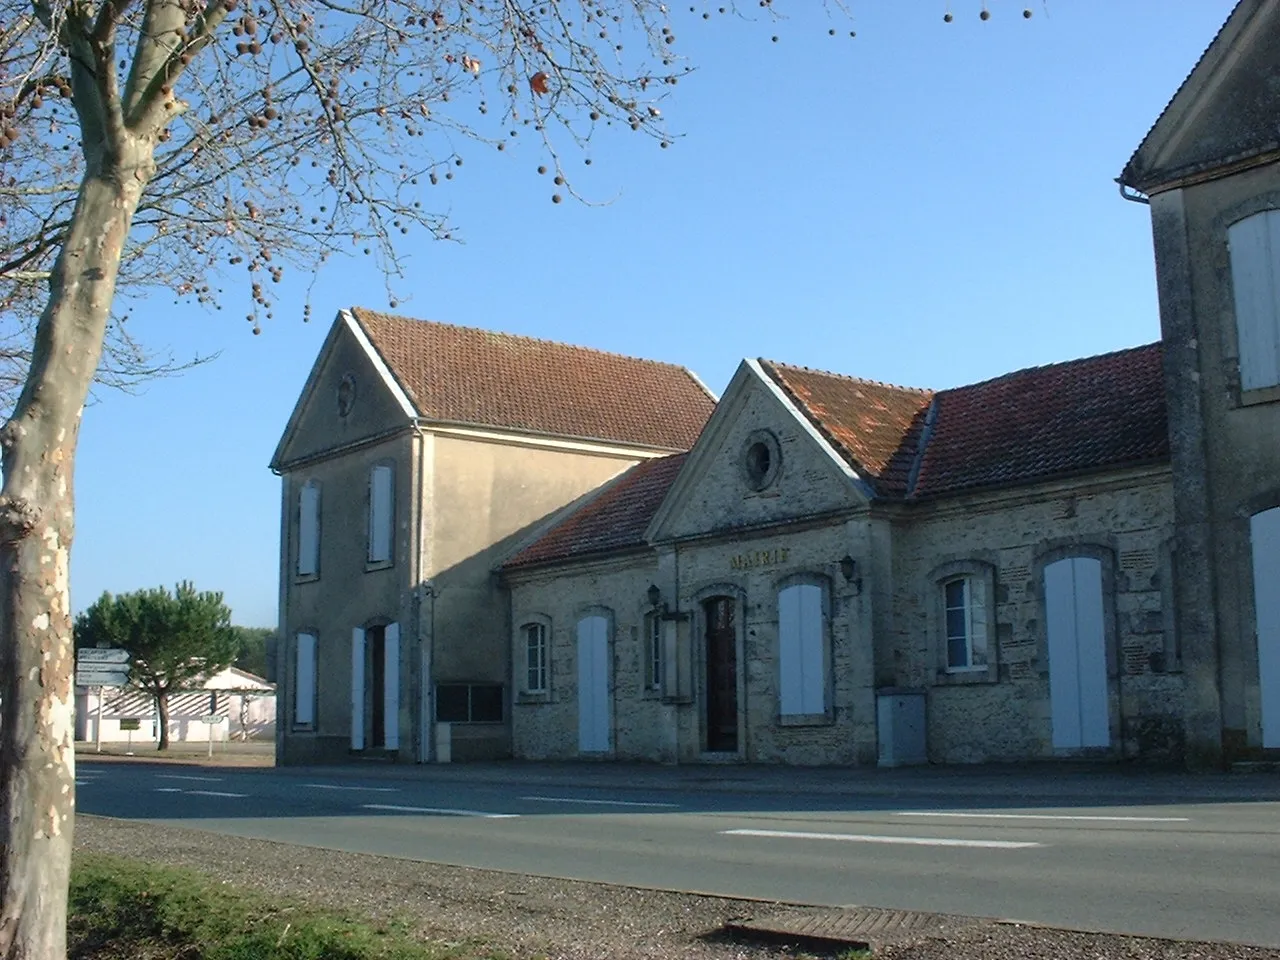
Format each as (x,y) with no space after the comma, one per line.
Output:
(614,520)
(1065,418)
(875,426)
(466,375)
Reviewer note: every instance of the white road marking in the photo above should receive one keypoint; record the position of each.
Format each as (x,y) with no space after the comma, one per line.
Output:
(178,776)
(613,803)
(875,838)
(446,811)
(168,789)
(217,793)
(1041,816)
(330,786)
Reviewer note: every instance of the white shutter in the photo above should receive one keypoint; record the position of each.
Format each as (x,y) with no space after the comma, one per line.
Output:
(593,684)
(801,650)
(812,653)
(790,693)
(357,689)
(309,530)
(380,513)
(1078,686)
(391,691)
(1255,275)
(1264,531)
(975,591)
(304,681)
(1064,668)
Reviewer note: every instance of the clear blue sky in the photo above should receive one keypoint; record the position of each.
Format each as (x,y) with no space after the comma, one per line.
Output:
(927,204)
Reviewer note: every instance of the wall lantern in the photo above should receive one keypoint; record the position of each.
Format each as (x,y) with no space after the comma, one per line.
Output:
(654,594)
(849,567)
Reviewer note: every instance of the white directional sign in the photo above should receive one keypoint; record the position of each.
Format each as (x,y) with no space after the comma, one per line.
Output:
(86,655)
(102,674)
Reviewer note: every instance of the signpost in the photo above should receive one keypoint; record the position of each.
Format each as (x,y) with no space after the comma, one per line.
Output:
(102,667)
(212,721)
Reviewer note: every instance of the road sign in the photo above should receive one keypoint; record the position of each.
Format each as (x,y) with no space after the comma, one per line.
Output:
(101,655)
(211,719)
(130,723)
(116,676)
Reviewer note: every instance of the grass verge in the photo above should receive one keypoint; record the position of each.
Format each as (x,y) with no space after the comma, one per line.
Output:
(122,908)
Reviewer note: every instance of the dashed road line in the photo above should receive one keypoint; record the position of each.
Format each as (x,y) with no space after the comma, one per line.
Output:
(330,786)
(612,803)
(179,776)
(216,793)
(878,838)
(168,789)
(1041,816)
(444,811)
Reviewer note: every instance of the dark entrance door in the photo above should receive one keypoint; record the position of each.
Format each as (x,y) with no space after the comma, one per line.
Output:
(722,675)
(376,651)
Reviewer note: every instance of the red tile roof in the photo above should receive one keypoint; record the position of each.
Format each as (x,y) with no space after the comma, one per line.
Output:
(874,426)
(613,520)
(1082,415)
(466,375)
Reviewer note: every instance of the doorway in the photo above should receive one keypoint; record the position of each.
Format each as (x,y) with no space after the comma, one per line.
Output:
(1264,532)
(593,685)
(1074,617)
(722,674)
(375,639)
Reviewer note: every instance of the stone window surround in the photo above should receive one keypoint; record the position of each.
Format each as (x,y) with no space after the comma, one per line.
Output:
(981,572)
(372,565)
(309,729)
(827,717)
(523,694)
(698,653)
(1221,265)
(296,528)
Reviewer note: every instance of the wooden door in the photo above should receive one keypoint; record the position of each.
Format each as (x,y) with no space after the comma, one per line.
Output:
(1079,704)
(1264,530)
(722,675)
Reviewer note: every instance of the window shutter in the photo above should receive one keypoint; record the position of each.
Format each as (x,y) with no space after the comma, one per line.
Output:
(309,529)
(391,690)
(1254,244)
(380,513)
(304,681)
(976,596)
(790,671)
(812,654)
(357,689)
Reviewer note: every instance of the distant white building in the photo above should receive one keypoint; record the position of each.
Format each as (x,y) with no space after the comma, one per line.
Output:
(245,705)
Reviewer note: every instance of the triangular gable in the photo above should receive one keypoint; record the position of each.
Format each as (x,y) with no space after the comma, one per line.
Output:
(710,492)
(1226,114)
(380,403)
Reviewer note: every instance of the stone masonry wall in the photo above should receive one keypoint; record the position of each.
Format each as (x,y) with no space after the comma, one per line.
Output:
(1127,522)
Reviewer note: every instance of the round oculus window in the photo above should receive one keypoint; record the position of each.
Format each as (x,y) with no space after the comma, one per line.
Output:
(761,459)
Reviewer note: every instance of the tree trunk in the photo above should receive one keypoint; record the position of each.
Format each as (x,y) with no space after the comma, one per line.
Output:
(162,718)
(37,729)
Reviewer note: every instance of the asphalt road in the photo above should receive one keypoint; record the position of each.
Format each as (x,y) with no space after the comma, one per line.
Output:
(1166,856)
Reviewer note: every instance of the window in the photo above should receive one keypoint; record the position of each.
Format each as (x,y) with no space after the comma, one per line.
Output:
(381,513)
(965,624)
(802,656)
(309,529)
(304,681)
(469,703)
(1254,245)
(652,651)
(535,657)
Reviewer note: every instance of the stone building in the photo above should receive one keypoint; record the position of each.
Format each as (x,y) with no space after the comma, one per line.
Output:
(418,454)
(590,557)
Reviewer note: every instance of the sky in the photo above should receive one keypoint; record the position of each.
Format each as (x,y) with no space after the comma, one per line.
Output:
(927,203)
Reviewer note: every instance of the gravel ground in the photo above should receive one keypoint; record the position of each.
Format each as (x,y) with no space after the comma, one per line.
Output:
(535,917)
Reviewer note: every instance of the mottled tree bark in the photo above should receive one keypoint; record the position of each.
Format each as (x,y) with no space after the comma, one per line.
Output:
(162,718)
(37,729)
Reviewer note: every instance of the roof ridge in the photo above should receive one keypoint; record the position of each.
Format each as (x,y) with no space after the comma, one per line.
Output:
(542,341)
(923,391)
(1055,365)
